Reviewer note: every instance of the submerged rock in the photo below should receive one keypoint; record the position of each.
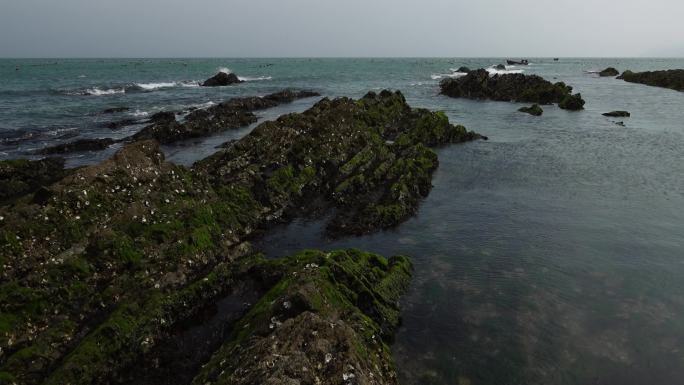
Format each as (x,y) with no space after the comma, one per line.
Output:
(115,125)
(618,114)
(610,71)
(114,110)
(22,176)
(221,79)
(78,146)
(232,114)
(464,70)
(104,268)
(500,67)
(534,110)
(672,79)
(480,84)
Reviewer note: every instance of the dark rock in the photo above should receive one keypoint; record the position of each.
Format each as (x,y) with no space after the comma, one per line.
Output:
(534,110)
(622,124)
(78,146)
(610,71)
(572,102)
(510,87)
(617,114)
(463,69)
(114,110)
(163,116)
(22,176)
(127,256)
(523,62)
(221,79)
(556,59)
(500,67)
(120,123)
(231,114)
(672,79)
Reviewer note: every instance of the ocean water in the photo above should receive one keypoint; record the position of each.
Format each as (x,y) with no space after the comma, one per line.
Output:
(551,254)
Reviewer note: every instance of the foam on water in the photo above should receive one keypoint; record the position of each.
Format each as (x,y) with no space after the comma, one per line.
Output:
(95,91)
(254,79)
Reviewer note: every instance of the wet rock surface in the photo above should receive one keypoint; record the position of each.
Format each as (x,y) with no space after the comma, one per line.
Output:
(369,159)
(221,79)
(534,110)
(672,79)
(617,114)
(114,110)
(104,271)
(78,146)
(20,177)
(232,114)
(480,84)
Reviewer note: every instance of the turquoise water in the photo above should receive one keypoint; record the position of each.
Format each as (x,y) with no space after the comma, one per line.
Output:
(550,254)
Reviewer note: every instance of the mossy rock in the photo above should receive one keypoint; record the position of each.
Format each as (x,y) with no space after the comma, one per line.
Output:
(672,79)
(534,110)
(610,71)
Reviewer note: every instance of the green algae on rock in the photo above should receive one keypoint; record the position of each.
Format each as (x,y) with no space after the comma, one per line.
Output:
(521,88)
(99,272)
(328,318)
(367,158)
(672,79)
(533,110)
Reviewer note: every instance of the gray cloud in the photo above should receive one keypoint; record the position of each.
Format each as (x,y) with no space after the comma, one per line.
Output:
(274,28)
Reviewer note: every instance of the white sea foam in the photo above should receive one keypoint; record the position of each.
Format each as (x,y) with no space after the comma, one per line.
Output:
(155,86)
(60,131)
(102,92)
(508,70)
(451,75)
(225,70)
(138,113)
(254,79)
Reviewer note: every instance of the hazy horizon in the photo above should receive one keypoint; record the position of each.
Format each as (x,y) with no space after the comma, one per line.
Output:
(315,28)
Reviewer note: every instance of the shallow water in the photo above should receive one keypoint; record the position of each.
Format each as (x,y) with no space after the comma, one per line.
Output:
(550,254)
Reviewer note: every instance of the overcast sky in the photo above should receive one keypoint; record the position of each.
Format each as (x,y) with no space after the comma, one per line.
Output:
(340,28)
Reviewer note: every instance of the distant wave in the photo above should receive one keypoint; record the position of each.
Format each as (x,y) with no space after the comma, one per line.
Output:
(451,75)
(255,79)
(95,91)
(161,85)
(132,88)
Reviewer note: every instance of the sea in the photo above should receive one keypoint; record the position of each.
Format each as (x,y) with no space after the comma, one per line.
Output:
(553,253)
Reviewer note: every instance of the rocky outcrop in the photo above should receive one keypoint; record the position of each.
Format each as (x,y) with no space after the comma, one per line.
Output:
(232,114)
(672,79)
(221,79)
(617,114)
(610,71)
(572,102)
(137,270)
(369,159)
(22,176)
(500,67)
(78,146)
(534,110)
(463,69)
(521,88)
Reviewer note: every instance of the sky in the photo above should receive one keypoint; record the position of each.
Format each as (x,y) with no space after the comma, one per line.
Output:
(341,28)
